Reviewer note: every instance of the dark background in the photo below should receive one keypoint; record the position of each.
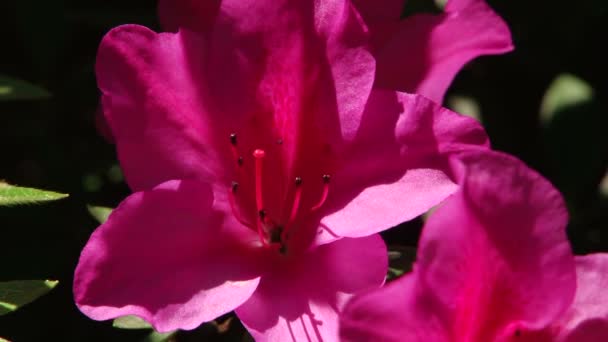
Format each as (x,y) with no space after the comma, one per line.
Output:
(53,143)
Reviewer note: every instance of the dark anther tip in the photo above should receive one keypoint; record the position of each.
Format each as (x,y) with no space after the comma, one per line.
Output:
(240,160)
(262,213)
(233,138)
(234,186)
(326,178)
(298,181)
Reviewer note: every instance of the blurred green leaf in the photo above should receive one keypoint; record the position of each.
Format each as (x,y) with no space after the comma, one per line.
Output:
(14,195)
(565,91)
(4,340)
(14,294)
(604,185)
(160,337)
(465,105)
(13,89)
(101,214)
(92,182)
(130,322)
(575,144)
(401,260)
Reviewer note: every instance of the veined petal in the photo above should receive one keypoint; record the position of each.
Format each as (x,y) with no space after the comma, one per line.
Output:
(169,256)
(152,100)
(426,51)
(496,256)
(494,264)
(301,299)
(397,166)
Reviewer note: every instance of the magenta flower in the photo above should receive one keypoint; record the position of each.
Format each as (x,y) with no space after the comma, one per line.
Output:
(494,264)
(263,164)
(420,54)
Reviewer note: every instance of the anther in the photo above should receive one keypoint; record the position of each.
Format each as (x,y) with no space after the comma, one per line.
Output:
(298,181)
(239,160)
(262,214)
(233,139)
(326,179)
(234,187)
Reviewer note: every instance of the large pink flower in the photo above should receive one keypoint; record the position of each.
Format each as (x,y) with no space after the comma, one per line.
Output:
(494,264)
(420,54)
(263,164)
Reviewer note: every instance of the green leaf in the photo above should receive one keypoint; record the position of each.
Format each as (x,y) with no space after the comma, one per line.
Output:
(14,195)
(160,337)
(565,91)
(130,322)
(401,259)
(14,294)
(13,89)
(4,340)
(101,214)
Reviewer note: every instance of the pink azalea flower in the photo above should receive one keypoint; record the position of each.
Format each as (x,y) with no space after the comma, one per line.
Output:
(263,166)
(494,264)
(420,54)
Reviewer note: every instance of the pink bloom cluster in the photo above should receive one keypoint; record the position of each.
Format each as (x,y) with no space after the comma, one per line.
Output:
(494,264)
(267,142)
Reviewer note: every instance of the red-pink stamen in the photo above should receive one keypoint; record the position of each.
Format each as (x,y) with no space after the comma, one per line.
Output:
(232,201)
(259,199)
(294,207)
(326,179)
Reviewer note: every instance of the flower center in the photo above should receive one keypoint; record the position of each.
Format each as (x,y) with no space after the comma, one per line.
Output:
(272,234)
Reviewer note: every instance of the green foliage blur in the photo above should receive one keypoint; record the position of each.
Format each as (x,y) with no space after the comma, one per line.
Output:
(545,103)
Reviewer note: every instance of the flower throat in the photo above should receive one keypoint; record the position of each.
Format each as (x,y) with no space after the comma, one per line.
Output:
(271,234)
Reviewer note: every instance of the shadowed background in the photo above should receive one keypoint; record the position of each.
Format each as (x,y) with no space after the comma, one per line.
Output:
(545,103)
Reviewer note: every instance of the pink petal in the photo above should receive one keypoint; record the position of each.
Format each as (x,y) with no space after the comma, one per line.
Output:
(297,72)
(426,51)
(396,167)
(194,15)
(494,259)
(300,300)
(393,313)
(169,255)
(152,103)
(496,254)
(590,302)
(317,72)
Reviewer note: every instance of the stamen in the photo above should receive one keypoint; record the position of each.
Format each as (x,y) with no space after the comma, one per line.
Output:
(326,179)
(294,208)
(259,168)
(262,214)
(235,151)
(232,201)
(259,199)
